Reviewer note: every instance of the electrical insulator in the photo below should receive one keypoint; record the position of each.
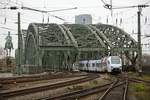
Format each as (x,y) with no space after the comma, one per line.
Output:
(107,20)
(13,8)
(143,6)
(107,6)
(43,19)
(5,20)
(120,21)
(145,20)
(48,19)
(116,21)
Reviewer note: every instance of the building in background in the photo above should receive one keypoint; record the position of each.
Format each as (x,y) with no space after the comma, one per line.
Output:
(83,19)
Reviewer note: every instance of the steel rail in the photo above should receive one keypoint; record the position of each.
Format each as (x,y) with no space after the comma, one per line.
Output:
(78,94)
(134,79)
(108,90)
(24,91)
(81,93)
(125,90)
(11,80)
(139,80)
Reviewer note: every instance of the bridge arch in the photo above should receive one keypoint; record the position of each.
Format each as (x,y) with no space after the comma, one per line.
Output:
(59,46)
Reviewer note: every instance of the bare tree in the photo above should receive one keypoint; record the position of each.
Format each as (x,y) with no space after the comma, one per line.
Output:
(2,52)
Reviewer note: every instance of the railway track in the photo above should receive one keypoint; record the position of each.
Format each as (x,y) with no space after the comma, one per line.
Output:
(139,80)
(12,80)
(116,90)
(82,93)
(131,79)
(117,93)
(118,85)
(28,90)
(120,93)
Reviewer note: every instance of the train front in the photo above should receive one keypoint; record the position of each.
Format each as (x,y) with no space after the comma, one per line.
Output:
(114,64)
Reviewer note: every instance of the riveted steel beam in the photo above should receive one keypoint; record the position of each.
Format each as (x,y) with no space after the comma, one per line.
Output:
(91,49)
(71,36)
(57,48)
(65,34)
(96,35)
(102,35)
(124,49)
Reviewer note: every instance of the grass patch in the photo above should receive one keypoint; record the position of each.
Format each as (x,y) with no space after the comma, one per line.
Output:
(145,77)
(135,75)
(142,95)
(75,88)
(93,82)
(139,87)
(140,91)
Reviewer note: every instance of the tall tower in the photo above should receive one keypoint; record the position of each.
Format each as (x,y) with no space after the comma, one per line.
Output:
(83,19)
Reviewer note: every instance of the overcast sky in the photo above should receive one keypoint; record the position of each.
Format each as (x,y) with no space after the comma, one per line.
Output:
(93,7)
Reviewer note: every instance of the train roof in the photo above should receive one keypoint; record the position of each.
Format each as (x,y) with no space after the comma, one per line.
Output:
(90,61)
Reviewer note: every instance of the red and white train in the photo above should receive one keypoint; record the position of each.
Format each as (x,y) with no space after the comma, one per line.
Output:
(106,64)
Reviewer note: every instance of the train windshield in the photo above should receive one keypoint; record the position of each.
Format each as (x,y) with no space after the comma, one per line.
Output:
(115,60)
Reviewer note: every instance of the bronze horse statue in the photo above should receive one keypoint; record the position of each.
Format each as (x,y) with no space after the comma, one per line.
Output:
(8,44)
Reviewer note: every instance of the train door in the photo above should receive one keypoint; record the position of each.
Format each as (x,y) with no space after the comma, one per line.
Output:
(104,64)
(97,65)
(90,66)
(108,65)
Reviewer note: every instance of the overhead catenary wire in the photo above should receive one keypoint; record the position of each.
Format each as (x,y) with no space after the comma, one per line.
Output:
(147,2)
(135,6)
(41,11)
(8,29)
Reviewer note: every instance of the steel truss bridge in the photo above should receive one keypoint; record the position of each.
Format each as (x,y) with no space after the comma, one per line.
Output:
(61,46)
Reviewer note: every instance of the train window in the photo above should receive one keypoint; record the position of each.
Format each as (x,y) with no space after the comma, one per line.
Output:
(115,60)
(87,64)
(108,62)
(93,64)
(97,64)
(81,65)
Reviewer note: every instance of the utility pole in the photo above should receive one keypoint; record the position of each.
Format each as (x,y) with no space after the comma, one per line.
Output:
(139,41)
(19,47)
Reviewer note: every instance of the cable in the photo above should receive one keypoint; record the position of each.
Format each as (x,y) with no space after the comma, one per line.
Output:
(66,7)
(41,11)
(104,2)
(8,28)
(147,2)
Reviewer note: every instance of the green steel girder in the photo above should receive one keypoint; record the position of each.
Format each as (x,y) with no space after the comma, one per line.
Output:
(57,48)
(65,34)
(71,36)
(51,34)
(96,35)
(102,36)
(70,48)
(117,37)
(124,49)
(83,36)
(31,47)
(63,45)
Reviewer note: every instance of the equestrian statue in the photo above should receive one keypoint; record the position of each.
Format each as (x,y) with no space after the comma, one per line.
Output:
(8,44)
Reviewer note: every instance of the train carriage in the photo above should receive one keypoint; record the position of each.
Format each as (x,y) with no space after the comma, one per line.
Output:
(106,64)
(114,64)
